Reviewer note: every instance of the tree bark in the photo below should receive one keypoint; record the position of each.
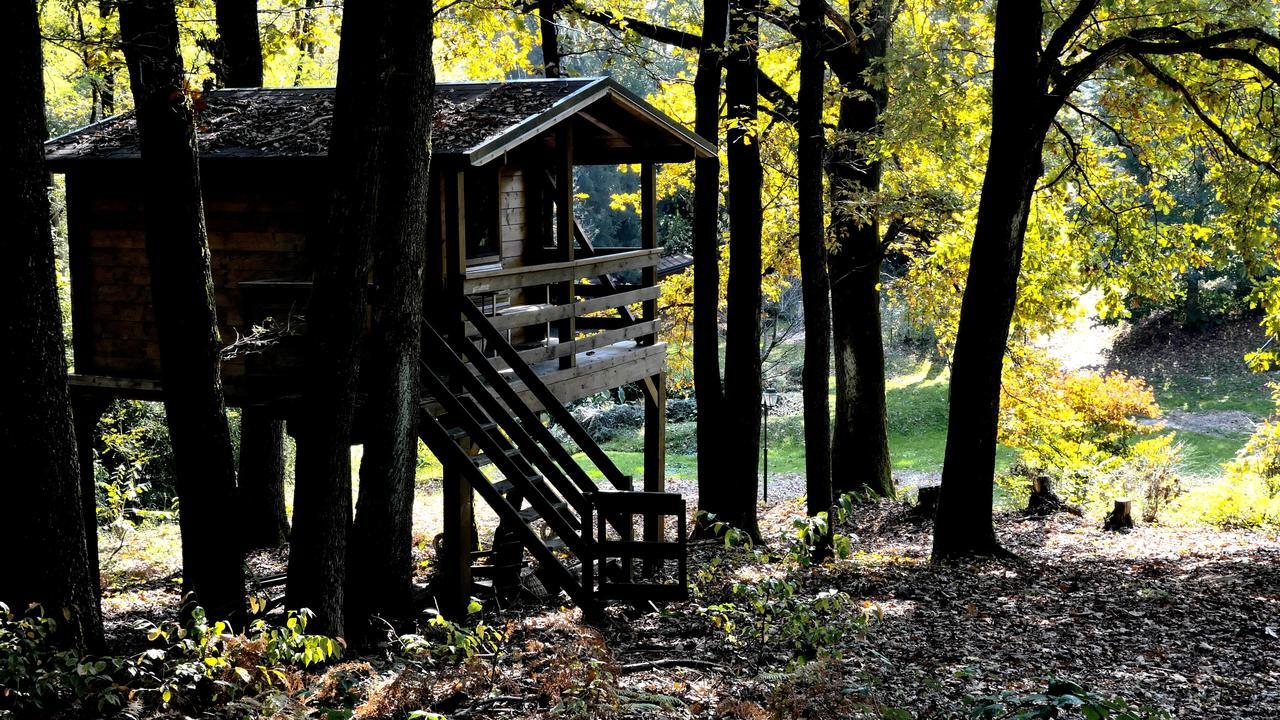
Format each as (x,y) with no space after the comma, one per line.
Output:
(261,479)
(1021,116)
(381,580)
(735,499)
(239,48)
(550,38)
(860,442)
(182,297)
(706,250)
(372,70)
(42,524)
(814,281)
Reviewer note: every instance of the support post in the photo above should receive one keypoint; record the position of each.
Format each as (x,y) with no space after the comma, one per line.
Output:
(655,451)
(567,329)
(455,552)
(86,411)
(648,240)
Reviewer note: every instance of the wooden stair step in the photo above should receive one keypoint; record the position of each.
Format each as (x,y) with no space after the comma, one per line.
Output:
(488,571)
(531,514)
(458,432)
(483,459)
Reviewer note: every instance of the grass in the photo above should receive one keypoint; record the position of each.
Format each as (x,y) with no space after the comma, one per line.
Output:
(1204,454)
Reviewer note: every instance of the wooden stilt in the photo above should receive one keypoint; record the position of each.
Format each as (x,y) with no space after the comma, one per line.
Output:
(87,410)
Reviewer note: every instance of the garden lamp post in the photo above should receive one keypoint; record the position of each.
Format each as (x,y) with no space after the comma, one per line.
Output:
(770,400)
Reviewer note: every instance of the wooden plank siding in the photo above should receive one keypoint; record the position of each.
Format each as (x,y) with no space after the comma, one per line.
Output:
(257,230)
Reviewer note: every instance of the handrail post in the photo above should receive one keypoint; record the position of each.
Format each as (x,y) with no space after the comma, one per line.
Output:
(648,241)
(567,329)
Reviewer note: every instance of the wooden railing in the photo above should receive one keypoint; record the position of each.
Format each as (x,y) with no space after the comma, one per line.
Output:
(601,308)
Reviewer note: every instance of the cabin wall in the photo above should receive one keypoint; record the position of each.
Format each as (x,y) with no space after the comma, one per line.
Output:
(257,224)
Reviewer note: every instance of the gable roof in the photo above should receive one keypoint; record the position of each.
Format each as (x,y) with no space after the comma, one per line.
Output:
(475,122)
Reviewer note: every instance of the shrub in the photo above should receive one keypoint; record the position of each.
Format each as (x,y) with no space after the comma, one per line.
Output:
(1248,495)
(606,421)
(1061,698)
(200,664)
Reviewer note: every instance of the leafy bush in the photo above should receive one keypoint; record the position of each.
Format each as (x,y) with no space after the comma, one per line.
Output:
(197,665)
(606,421)
(135,470)
(1067,420)
(1248,495)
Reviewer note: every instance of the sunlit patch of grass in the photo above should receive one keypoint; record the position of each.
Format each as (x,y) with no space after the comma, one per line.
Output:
(138,555)
(1204,455)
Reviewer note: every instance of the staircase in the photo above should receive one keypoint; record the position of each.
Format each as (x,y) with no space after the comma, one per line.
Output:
(586,545)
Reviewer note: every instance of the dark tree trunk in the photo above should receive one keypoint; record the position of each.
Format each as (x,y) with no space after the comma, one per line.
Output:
(860,442)
(306,45)
(182,296)
(814,281)
(706,252)
(366,139)
(1021,117)
(239,49)
(382,540)
(550,38)
(737,482)
(42,525)
(261,480)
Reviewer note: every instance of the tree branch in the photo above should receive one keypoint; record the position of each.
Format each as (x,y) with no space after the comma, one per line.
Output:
(784,105)
(1173,83)
(1066,31)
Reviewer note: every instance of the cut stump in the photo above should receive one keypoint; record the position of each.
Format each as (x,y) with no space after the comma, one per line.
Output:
(1121,517)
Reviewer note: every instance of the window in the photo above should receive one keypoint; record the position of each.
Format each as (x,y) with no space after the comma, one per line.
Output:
(482,214)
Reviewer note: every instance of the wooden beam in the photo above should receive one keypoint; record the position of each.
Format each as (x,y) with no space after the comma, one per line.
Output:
(566,330)
(649,239)
(655,449)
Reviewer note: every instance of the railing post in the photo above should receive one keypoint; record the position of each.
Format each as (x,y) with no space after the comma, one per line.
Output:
(455,560)
(648,241)
(567,329)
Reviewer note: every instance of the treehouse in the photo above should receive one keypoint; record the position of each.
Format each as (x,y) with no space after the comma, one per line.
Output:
(524,312)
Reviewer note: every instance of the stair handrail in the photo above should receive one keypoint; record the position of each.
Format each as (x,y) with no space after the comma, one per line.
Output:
(534,383)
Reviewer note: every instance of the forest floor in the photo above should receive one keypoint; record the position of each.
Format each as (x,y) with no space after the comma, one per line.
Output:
(1183,619)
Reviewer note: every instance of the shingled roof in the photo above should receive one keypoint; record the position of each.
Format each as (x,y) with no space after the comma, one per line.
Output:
(473,121)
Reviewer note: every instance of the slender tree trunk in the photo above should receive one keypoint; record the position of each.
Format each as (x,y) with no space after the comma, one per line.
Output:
(860,443)
(239,61)
(1021,117)
(382,540)
(42,524)
(814,281)
(738,483)
(306,46)
(365,142)
(706,252)
(264,523)
(182,297)
(550,38)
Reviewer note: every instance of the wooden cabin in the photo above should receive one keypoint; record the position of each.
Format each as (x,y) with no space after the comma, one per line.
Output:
(543,316)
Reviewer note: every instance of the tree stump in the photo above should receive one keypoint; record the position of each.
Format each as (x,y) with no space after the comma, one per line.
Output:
(1121,517)
(927,501)
(1043,501)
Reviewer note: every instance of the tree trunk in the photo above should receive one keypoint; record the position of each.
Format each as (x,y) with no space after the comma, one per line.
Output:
(42,525)
(261,481)
(550,38)
(360,150)
(706,251)
(239,61)
(814,281)
(381,581)
(182,297)
(1021,116)
(860,442)
(738,483)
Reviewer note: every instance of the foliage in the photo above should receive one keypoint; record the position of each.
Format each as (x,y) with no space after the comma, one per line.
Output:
(446,640)
(197,665)
(135,468)
(1248,495)
(1061,698)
